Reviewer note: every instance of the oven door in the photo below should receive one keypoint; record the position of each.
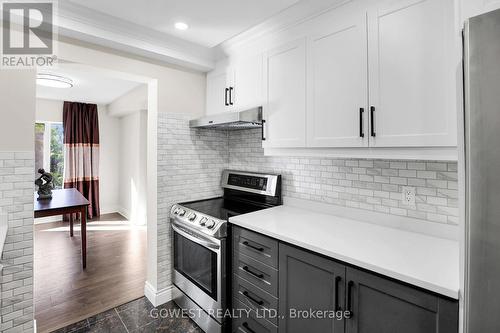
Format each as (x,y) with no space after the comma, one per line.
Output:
(198,267)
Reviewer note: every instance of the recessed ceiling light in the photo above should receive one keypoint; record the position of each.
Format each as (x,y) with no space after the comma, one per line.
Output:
(181,26)
(53,80)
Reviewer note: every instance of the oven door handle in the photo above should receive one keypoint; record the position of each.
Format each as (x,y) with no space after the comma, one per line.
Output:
(198,240)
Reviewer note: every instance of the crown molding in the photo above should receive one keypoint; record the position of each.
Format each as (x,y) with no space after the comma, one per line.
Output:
(291,16)
(81,23)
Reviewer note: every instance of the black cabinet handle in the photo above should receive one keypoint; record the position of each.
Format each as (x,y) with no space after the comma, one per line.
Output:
(260,249)
(231,95)
(263,125)
(372,120)
(337,281)
(247,295)
(225,96)
(361,132)
(246,269)
(350,284)
(245,325)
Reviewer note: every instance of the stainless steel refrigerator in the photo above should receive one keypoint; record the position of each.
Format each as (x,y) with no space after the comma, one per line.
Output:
(482,172)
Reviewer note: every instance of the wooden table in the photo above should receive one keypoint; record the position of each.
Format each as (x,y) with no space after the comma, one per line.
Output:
(66,201)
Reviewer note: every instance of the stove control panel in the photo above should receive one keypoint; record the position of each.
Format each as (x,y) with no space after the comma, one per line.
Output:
(198,221)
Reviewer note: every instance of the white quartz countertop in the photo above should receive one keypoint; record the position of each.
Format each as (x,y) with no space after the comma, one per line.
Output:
(428,262)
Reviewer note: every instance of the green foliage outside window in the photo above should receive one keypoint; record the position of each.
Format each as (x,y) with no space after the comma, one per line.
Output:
(57,154)
(56,159)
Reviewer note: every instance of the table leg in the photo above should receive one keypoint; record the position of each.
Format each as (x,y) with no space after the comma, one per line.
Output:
(84,236)
(71,225)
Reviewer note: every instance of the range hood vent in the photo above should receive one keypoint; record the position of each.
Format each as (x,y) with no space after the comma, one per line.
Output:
(251,118)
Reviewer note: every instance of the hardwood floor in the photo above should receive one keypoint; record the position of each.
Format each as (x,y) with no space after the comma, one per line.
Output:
(116,270)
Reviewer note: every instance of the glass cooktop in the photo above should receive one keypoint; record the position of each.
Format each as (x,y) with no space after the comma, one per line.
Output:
(222,208)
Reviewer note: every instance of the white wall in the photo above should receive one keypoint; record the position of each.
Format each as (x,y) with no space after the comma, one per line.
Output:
(132,110)
(109,132)
(178,91)
(132,171)
(17,110)
(134,100)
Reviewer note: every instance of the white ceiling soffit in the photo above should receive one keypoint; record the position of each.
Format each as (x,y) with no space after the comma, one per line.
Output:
(166,45)
(81,23)
(90,85)
(210,21)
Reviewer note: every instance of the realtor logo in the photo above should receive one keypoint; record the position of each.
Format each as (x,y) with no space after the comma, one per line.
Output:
(28,34)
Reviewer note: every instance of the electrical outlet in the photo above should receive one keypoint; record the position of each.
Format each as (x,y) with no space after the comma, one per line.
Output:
(408,196)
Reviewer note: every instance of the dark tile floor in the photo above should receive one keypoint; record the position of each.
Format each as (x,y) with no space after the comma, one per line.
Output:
(136,316)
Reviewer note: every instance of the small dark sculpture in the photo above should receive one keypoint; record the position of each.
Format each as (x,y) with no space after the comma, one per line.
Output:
(45,185)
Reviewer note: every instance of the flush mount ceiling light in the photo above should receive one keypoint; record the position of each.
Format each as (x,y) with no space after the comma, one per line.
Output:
(181,26)
(53,80)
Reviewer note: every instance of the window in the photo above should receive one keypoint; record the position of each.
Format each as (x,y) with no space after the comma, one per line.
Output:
(49,150)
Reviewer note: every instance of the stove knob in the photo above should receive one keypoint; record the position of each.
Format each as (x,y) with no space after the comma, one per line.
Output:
(192,217)
(210,224)
(203,221)
(182,212)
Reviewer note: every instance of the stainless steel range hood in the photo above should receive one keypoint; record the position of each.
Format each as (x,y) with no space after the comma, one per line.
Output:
(251,118)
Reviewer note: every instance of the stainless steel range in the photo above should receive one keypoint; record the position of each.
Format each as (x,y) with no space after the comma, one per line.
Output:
(201,255)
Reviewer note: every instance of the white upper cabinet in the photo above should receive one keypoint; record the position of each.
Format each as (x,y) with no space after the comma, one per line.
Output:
(337,80)
(217,93)
(285,110)
(412,64)
(235,87)
(248,83)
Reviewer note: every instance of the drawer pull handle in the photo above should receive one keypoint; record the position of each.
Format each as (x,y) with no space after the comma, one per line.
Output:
(247,328)
(349,298)
(246,269)
(260,249)
(337,281)
(247,295)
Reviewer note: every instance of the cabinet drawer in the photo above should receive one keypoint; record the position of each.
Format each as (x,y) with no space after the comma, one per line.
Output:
(250,323)
(262,276)
(255,298)
(256,246)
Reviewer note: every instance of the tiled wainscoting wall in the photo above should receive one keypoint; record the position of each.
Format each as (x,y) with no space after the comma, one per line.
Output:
(374,185)
(16,200)
(190,163)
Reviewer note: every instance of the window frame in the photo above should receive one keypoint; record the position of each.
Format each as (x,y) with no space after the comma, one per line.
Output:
(47,147)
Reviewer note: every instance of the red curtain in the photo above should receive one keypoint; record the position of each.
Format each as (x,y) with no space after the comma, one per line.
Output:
(81,153)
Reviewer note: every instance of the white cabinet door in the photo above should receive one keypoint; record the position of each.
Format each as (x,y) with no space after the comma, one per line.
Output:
(337,81)
(412,65)
(217,95)
(285,110)
(248,83)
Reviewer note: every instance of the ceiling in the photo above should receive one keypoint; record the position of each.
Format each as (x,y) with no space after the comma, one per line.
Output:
(91,85)
(211,22)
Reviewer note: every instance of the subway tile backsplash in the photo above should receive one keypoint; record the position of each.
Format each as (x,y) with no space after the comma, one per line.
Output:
(374,185)
(190,162)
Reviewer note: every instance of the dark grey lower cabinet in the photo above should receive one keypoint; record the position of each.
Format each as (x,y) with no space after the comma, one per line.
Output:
(315,294)
(309,286)
(385,306)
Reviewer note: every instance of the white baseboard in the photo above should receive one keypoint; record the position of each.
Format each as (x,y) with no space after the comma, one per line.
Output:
(157,297)
(124,212)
